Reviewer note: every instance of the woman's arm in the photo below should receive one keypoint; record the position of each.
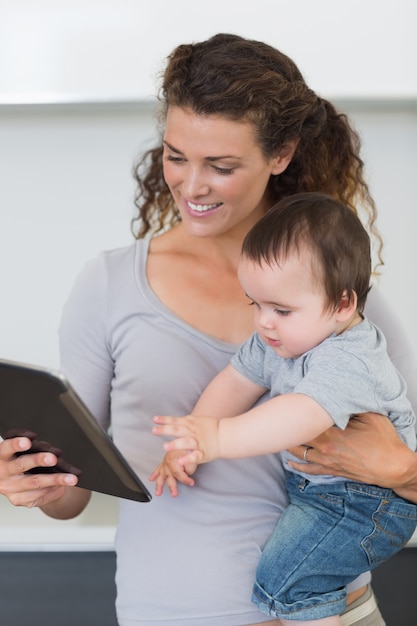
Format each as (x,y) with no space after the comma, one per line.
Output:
(369,450)
(54,493)
(83,340)
(87,365)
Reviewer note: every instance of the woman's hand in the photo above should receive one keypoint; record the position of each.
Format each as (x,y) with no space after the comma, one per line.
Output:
(27,489)
(369,451)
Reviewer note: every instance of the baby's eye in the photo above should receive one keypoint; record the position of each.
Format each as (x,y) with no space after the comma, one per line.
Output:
(282,312)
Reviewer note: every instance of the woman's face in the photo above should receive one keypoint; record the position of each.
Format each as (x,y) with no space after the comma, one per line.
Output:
(216,172)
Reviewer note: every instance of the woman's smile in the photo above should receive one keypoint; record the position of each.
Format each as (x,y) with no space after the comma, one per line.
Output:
(201,209)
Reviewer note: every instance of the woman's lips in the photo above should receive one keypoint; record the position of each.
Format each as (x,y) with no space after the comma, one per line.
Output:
(201,209)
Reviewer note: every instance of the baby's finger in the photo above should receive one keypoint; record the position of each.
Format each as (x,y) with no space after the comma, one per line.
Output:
(172,485)
(176,429)
(181,443)
(194,457)
(159,484)
(164,419)
(183,477)
(154,475)
(158,477)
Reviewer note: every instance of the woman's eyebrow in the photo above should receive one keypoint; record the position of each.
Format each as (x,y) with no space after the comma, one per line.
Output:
(223,156)
(208,158)
(171,147)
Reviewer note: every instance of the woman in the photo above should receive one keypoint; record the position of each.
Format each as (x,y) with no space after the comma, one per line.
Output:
(146,327)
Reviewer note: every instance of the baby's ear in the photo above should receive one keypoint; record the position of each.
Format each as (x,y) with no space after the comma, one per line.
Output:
(347,305)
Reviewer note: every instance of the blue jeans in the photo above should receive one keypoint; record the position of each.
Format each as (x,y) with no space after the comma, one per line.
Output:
(329,534)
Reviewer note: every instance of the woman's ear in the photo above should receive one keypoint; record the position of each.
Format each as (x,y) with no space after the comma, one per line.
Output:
(283,159)
(347,306)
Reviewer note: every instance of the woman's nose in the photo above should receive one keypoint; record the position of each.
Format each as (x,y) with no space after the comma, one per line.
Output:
(194,184)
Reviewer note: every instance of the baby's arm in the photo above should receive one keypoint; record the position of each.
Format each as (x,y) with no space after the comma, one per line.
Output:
(228,393)
(275,425)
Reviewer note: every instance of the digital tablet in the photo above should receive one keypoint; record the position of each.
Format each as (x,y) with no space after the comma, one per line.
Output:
(40,404)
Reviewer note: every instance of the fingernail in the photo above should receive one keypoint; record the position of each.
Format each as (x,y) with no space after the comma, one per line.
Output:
(70,479)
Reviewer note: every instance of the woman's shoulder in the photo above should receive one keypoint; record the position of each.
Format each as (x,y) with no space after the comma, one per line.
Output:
(110,271)
(115,261)
(117,257)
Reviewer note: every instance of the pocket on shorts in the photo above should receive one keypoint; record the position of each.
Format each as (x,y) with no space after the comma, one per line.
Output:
(394,523)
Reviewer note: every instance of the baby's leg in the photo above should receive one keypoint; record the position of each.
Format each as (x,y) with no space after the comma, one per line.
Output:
(333,620)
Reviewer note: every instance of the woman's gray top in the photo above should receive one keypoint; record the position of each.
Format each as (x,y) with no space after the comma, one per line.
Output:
(190,560)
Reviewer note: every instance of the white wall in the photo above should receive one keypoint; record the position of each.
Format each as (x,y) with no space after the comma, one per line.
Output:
(65,185)
(66,190)
(67,193)
(95,49)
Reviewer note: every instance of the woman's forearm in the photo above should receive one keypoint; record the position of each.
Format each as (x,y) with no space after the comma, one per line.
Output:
(404,475)
(369,451)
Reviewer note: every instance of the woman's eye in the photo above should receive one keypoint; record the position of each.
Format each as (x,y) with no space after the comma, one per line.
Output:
(223,170)
(174,159)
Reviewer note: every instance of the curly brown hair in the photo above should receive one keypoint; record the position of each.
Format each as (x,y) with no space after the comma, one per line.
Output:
(243,79)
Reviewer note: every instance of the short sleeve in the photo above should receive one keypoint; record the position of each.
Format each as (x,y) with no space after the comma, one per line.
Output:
(249,360)
(84,353)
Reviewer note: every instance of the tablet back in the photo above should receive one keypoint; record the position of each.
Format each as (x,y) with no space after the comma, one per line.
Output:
(41,404)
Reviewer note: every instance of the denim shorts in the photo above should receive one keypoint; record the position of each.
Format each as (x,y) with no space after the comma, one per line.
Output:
(328,535)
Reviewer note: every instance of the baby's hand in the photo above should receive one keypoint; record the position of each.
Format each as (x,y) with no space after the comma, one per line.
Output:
(170,470)
(197,436)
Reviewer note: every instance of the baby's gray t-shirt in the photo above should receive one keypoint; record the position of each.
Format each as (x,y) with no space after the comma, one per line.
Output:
(346,374)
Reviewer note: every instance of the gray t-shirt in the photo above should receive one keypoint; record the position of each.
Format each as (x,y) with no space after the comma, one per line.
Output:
(191,560)
(346,374)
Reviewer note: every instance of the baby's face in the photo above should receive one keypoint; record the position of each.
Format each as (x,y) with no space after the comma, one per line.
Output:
(290,308)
